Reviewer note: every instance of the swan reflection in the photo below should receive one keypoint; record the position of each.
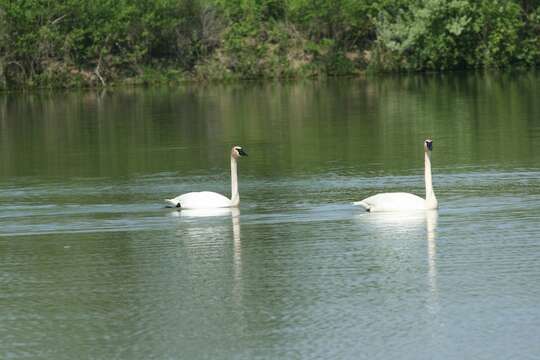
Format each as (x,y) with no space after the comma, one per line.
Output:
(431,228)
(409,225)
(237,256)
(213,235)
(394,220)
(195,213)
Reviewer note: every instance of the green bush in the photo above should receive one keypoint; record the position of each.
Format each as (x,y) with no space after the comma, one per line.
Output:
(440,34)
(68,43)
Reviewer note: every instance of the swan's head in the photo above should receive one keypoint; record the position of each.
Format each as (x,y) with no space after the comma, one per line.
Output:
(428,145)
(237,152)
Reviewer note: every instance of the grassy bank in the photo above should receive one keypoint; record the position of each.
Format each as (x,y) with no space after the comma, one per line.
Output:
(79,43)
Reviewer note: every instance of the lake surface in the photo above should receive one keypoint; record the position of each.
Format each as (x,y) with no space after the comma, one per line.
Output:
(92,266)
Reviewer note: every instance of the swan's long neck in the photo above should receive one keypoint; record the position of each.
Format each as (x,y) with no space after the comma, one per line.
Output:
(235,196)
(430,194)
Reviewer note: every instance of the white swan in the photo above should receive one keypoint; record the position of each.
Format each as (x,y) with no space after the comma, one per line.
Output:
(208,199)
(404,201)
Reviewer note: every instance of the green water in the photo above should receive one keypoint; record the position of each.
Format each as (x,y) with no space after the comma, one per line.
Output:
(93,267)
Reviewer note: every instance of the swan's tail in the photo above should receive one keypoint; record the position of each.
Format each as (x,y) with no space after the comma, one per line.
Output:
(363,204)
(172,203)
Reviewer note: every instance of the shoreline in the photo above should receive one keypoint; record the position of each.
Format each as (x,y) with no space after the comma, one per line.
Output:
(131,82)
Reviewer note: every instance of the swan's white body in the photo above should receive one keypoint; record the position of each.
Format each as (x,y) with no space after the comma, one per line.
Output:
(400,201)
(392,202)
(212,200)
(200,200)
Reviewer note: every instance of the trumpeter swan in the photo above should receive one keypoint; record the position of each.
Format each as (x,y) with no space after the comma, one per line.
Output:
(404,201)
(208,199)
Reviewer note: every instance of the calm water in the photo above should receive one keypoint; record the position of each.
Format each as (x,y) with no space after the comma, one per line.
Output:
(93,267)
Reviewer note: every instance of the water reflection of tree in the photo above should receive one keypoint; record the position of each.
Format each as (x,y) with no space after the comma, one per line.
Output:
(306,127)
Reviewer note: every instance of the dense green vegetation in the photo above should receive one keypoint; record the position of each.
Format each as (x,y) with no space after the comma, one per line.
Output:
(99,42)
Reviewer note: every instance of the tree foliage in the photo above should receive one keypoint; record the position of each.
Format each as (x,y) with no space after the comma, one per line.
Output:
(440,34)
(99,42)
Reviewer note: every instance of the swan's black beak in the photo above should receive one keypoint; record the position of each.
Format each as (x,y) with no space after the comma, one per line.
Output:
(429,145)
(241,152)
